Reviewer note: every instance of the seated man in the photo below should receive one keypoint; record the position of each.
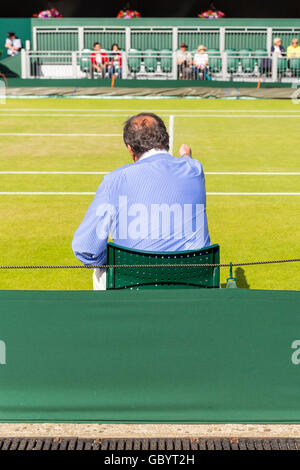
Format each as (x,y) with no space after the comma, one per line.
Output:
(99,59)
(184,62)
(157,203)
(13,45)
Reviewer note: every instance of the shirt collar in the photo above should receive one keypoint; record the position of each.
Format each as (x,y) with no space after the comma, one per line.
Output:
(152,152)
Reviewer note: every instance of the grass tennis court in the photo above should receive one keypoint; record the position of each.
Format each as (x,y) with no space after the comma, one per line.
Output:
(253,217)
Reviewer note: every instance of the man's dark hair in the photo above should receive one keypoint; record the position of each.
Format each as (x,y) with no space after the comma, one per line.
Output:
(145,131)
(10,35)
(96,44)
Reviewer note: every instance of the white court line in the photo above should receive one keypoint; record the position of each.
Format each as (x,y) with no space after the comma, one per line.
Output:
(262,116)
(23,134)
(40,193)
(256,173)
(26,193)
(171,132)
(65,115)
(99,110)
(253,194)
(224,115)
(54,172)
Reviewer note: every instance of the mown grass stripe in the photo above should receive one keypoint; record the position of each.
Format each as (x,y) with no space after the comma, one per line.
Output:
(27,134)
(221,115)
(80,110)
(221,173)
(40,193)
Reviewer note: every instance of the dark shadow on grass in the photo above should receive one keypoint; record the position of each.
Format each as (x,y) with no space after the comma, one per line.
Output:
(241,280)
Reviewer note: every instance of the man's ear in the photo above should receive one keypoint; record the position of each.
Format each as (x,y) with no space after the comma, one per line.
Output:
(133,156)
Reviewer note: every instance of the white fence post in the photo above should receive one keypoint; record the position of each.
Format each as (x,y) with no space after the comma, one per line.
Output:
(80,38)
(127,38)
(222,39)
(124,65)
(269,39)
(27,45)
(274,68)
(174,66)
(74,64)
(224,65)
(175,39)
(34,38)
(24,63)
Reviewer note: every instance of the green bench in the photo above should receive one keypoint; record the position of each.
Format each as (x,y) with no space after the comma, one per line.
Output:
(139,277)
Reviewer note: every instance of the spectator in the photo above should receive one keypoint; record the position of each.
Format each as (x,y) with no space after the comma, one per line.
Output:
(293,51)
(184,61)
(115,62)
(266,62)
(201,63)
(157,203)
(13,44)
(99,59)
(277,48)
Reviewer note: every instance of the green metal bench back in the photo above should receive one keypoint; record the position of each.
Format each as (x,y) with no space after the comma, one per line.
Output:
(232,64)
(232,60)
(166,60)
(261,53)
(244,52)
(281,64)
(162,277)
(247,62)
(231,52)
(134,60)
(215,60)
(85,60)
(295,65)
(150,60)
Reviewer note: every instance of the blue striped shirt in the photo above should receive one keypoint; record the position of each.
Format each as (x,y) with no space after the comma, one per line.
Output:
(155,204)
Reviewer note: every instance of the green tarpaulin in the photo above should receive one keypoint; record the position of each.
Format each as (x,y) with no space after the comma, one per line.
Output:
(200,356)
(229,90)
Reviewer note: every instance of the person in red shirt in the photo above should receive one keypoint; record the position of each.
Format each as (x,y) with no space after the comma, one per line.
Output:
(99,59)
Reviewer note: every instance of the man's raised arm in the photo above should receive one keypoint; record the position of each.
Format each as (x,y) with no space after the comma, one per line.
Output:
(185,151)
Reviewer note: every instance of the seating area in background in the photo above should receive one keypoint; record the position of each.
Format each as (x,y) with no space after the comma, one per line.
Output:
(258,62)
(139,63)
(150,61)
(159,64)
(245,65)
(243,53)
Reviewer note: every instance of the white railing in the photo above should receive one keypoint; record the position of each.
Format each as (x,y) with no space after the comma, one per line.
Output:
(78,64)
(227,66)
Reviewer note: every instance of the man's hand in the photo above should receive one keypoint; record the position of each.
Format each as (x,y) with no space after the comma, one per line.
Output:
(185,151)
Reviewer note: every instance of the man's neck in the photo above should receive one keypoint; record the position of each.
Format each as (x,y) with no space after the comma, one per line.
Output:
(152,152)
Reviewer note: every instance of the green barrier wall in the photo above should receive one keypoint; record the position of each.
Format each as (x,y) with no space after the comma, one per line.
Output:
(138,356)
